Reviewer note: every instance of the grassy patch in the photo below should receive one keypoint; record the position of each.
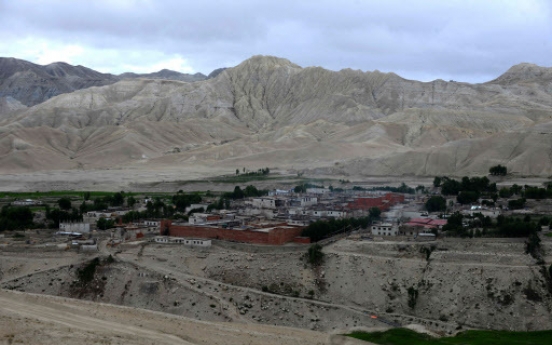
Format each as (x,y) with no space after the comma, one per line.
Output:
(55,193)
(243,178)
(401,336)
(548,234)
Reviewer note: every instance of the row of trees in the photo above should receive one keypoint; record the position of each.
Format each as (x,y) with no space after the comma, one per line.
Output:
(464,226)
(467,190)
(263,171)
(498,170)
(15,218)
(528,192)
(248,192)
(403,188)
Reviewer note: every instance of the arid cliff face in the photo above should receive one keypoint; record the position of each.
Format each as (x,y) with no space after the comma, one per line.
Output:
(268,111)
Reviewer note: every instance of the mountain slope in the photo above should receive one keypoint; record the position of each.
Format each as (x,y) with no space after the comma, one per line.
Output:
(268,111)
(165,74)
(31,84)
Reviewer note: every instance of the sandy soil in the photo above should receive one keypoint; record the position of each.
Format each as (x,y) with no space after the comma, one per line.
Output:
(33,319)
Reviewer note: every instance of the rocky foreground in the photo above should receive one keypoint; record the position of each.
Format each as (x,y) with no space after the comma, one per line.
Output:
(36,319)
(489,284)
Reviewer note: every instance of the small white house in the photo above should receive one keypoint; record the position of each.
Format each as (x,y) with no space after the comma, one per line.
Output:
(193,242)
(318,190)
(74,227)
(271,203)
(304,201)
(152,223)
(385,229)
(336,214)
(195,207)
(27,202)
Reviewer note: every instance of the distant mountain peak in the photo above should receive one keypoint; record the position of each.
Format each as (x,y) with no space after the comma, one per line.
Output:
(525,72)
(268,61)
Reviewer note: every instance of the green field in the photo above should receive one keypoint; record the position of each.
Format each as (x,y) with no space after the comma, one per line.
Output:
(50,194)
(401,336)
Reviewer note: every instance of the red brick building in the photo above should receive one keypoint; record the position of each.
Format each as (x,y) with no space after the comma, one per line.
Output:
(275,234)
(383,202)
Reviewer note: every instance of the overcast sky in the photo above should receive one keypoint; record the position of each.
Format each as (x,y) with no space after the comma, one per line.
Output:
(464,40)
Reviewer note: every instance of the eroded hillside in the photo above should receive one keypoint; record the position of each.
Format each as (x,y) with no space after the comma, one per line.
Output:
(268,111)
(464,283)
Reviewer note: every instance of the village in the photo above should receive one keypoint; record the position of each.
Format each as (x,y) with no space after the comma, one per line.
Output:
(278,218)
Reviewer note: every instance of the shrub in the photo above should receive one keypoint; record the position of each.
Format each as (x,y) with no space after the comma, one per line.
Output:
(315,255)
(86,274)
(412,297)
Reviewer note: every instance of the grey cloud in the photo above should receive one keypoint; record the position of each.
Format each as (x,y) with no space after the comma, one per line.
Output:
(429,39)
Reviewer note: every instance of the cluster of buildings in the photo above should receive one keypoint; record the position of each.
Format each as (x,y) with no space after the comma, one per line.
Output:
(275,219)
(279,218)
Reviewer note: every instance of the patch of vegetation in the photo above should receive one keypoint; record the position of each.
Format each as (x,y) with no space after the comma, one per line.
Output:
(86,273)
(498,170)
(412,297)
(15,218)
(244,178)
(436,203)
(104,224)
(322,229)
(249,191)
(403,188)
(401,336)
(315,256)
(532,246)
(532,294)
(427,251)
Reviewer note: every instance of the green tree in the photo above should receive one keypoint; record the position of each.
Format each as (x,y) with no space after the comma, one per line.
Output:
(315,256)
(516,204)
(131,201)
(467,197)
(104,224)
(505,192)
(64,203)
(118,199)
(86,196)
(15,217)
(300,189)
(374,212)
(83,208)
(450,187)
(436,181)
(436,204)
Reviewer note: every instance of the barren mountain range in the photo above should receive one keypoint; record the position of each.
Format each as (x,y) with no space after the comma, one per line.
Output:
(268,111)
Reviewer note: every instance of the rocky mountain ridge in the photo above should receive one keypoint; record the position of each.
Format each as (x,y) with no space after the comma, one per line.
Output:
(268,111)
(30,84)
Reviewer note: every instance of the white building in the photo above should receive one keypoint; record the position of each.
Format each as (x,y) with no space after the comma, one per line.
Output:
(385,229)
(152,223)
(336,214)
(277,192)
(317,190)
(271,203)
(193,242)
(75,227)
(304,201)
(196,206)
(27,202)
